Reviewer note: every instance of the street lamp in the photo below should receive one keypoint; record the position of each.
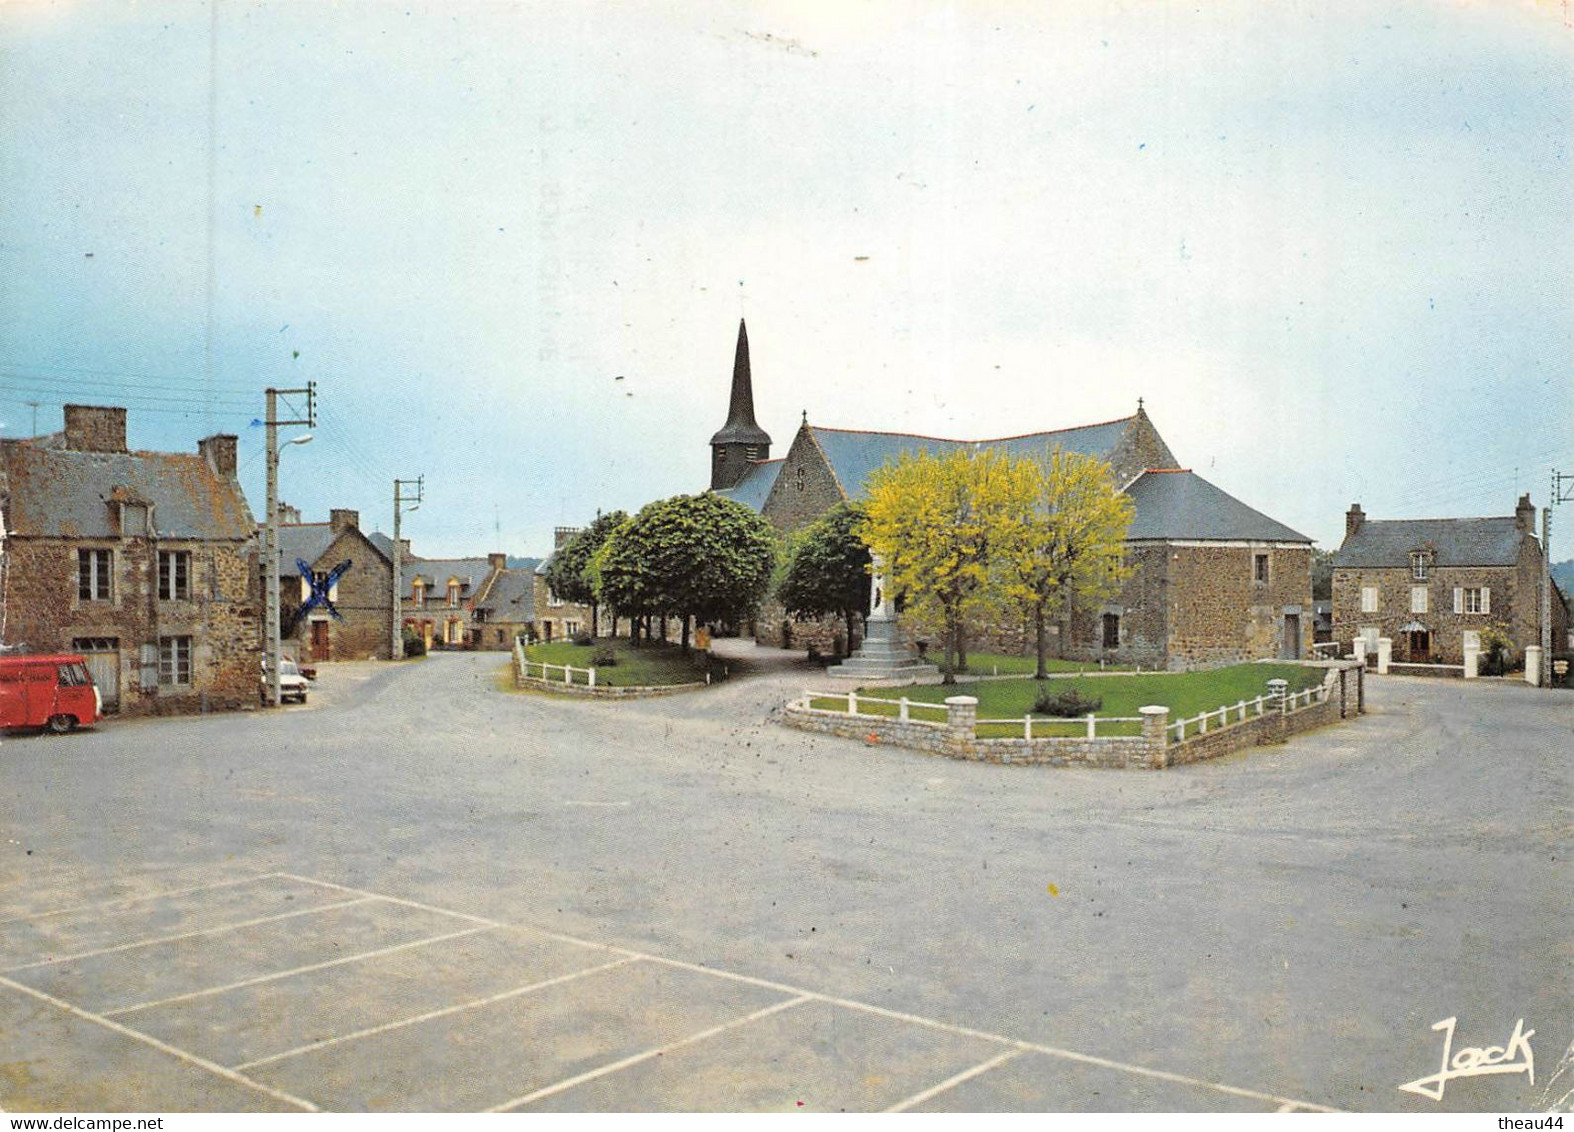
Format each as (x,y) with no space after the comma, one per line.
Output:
(271,555)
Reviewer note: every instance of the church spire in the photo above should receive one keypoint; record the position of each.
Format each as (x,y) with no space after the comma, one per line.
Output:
(740,440)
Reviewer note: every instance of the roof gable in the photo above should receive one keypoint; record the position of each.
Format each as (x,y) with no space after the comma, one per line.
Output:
(1492,541)
(1179,504)
(65,493)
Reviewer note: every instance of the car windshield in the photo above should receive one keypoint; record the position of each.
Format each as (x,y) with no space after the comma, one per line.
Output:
(287,667)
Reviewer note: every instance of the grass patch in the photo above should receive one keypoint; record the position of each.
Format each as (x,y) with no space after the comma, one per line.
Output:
(1185,694)
(994,663)
(649,665)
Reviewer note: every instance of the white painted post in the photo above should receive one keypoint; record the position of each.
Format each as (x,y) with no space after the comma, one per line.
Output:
(1385,651)
(1202,724)
(902,715)
(852,703)
(568,675)
(1533,665)
(1472,662)
(1358,650)
(1027,726)
(1092,733)
(592,672)
(1242,706)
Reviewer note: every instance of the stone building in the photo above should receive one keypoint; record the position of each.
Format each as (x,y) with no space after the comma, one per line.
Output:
(439,597)
(505,609)
(1215,582)
(1429,585)
(141,561)
(362,595)
(558,619)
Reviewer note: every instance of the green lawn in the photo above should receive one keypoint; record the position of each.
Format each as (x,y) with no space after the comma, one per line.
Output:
(1185,694)
(999,664)
(646,666)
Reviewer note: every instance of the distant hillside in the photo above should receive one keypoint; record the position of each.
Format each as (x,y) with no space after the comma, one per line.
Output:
(1563,574)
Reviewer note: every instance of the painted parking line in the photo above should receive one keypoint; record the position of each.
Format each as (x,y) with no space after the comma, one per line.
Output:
(58,959)
(162,1047)
(646,1055)
(206,991)
(406,903)
(120,900)
(457,1008)
(952,1082)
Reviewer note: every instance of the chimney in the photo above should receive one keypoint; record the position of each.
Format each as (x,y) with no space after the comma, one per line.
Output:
(1525,515)
(95,428)
(562,536)
(1353,519)
(497,561)
(288,514)
(219,451)
(404,550)
(342,519)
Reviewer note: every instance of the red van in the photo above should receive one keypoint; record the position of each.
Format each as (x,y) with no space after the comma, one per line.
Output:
(47,691)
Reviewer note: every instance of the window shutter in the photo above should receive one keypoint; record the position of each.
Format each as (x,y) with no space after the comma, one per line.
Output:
(1459,599)
(306,587)
(149,668)
(1486,600)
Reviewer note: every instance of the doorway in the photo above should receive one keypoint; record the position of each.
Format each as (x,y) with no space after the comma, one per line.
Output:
(321,649)
(1292,636)
(1420,646)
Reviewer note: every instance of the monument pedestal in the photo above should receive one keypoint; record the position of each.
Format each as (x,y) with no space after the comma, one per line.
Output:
(883,657)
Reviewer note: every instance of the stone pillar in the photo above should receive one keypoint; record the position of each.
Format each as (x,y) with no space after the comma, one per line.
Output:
(961,720)
(1358,650)
(1276,692)
(1385,650)
(1533,665)
(1155,733)
(1472,662)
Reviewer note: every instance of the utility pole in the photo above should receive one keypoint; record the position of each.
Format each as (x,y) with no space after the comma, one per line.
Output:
(270,556)
(396,648)
(1562,492)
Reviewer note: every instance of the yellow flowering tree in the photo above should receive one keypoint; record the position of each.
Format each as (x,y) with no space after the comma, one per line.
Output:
(1072,547)
(939,523)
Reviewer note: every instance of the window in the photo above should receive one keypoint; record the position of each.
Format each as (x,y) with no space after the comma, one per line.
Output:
(1417,599)
(1420,564)
(552,598)
(798,479)
(133,519)
(453,593)
(93,574)
(1111,630)
(1368,599)
(1259,567)
(174,575)
(418,591)
(174,661)
(500,636)
(1473,599)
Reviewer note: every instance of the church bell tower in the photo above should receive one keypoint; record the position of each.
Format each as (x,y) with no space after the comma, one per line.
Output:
(740,441)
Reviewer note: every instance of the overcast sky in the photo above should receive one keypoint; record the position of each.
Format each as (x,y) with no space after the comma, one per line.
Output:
(1331,245)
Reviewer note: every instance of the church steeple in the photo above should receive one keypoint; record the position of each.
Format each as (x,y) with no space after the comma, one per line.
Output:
(740,441)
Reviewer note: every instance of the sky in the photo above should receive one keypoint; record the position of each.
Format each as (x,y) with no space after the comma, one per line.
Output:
(1331,246)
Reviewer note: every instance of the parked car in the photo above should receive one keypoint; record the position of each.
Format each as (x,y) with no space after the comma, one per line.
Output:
(48,691)
(292,685)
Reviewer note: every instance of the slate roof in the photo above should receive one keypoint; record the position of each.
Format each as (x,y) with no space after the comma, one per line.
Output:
(1183,505)
(511,596)
(58,492)
(1493,541)
(755,485)
(854,456)
(382,542)
(306,541)
(471,572)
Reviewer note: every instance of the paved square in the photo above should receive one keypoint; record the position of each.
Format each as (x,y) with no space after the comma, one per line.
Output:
(284,992)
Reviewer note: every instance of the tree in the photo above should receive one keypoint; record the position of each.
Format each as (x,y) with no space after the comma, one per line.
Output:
(700,556)
(937,522)
(1322,574)
(1072,547)
(569,573)
(828,569)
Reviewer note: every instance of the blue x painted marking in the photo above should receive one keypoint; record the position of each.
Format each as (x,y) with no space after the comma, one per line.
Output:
(320,590)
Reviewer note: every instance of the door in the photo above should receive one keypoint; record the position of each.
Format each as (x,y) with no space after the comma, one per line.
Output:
(321,650)
(1292,636)
(1421,647)
(103,664)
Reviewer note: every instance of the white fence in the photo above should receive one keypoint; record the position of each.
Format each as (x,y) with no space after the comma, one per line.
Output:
(1046,726)
(1226,714)
(905,707)
(566,671)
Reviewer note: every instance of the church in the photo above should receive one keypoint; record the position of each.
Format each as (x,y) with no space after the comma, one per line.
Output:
(1214,581)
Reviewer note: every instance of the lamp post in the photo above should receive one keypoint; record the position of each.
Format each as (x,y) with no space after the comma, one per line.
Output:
(271,554)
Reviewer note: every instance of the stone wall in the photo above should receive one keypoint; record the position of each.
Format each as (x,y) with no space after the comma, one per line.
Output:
(363,597)
(1515,606)
(221,616)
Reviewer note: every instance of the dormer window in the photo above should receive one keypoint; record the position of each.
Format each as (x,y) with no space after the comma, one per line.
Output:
(453,593)
(133,520)
(1420,564)
(418,591)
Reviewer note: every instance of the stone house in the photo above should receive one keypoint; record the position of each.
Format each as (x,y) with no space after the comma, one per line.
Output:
(1429,584)
(505,608)
(1216,581)
(438,601)
(143,562)
(362,595)
(558,619)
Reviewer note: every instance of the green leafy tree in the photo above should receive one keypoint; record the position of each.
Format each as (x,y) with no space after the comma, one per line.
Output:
(1070,551)
(1322,574)
(827,569)
(700,556)
(569,573)
(938,522)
